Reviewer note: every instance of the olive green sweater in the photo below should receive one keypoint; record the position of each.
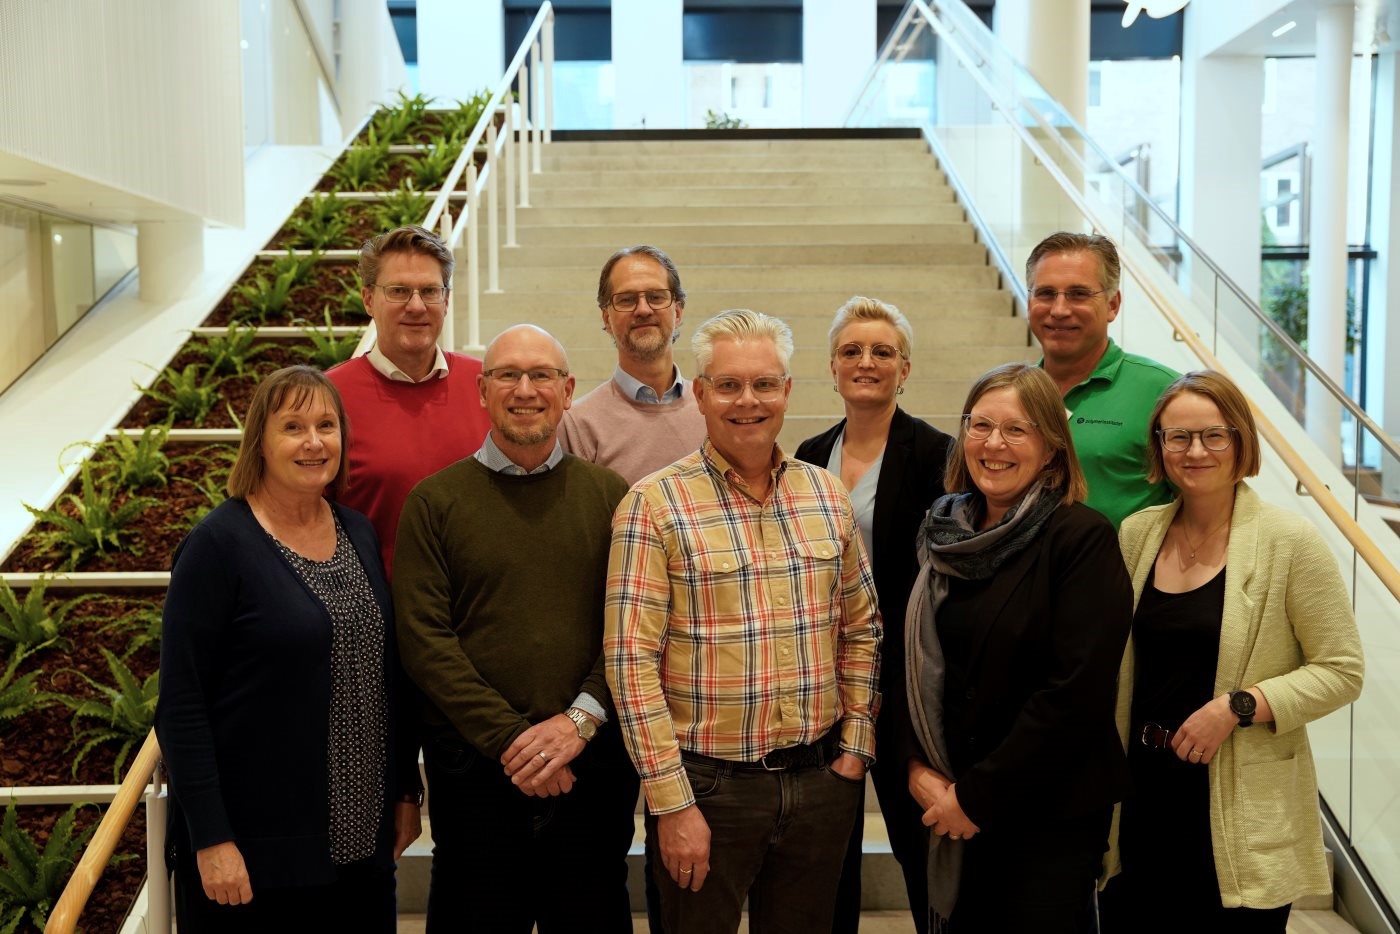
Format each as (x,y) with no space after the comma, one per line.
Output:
(498,593)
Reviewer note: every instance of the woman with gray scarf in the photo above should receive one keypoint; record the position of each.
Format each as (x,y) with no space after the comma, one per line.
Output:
(1013,635)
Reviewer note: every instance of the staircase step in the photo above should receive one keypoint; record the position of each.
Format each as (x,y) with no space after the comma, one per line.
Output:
(739,214)
(688,148)
(742,177)
(766,277)
(689,256)
(689,197)
(687,230)
(551,308)
(552,159)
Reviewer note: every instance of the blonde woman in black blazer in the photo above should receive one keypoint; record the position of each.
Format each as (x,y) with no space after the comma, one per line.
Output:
(892,464)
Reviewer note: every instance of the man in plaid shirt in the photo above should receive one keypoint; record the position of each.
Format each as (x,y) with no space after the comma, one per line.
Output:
(742,640)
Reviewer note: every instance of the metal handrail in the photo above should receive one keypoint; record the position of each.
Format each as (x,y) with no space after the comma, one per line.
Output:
(1374,558)
(974,25)
(64,917)
(538,45)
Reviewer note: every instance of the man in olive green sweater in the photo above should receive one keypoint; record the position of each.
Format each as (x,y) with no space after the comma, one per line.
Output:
(499,575)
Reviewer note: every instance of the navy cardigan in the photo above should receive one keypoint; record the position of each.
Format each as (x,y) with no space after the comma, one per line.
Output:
(245,683)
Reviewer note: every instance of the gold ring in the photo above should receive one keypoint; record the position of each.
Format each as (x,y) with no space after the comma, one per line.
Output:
(687,871)
(1197,753)
(544,757)
(954,836)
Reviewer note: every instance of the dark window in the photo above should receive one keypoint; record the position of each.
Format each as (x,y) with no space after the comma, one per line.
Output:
(1146,38)
(718,31)
(582,30)
(404,16)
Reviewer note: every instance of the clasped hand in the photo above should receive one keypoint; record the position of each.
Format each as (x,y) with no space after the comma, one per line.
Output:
(538,761)
(939,798)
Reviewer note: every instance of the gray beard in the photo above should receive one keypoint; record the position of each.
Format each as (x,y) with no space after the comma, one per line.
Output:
(527,438)
(645,353)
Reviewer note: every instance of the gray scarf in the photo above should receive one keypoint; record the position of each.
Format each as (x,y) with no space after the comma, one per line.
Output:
(951,545)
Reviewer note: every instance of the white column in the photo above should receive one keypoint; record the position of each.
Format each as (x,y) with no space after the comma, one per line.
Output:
(1051,38)
(169,256)
(648,64)
(838,48)
(1383,336)
(1327,231)
(461,47)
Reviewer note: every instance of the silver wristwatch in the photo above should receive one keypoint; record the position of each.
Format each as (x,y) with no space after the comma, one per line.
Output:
(587,729)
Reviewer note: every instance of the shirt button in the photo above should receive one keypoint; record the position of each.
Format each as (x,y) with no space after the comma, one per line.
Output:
(724,565)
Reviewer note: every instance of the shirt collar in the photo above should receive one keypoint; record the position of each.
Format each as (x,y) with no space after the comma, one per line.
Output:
(639,391)
(388,370)
(497,461)
(717,463)
(1106,369)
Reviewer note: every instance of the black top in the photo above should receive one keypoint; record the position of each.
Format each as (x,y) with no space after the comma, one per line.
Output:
(1176,643)
(957,624)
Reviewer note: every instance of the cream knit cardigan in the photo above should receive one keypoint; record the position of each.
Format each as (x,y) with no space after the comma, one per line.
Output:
(1287,628)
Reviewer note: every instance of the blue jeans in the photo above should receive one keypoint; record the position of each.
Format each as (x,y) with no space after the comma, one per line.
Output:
(776,837)
(504,862)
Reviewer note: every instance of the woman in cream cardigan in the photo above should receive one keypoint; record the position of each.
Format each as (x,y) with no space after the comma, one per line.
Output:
(1242,634)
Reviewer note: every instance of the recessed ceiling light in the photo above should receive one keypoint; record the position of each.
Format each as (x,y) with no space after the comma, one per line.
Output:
(1285,28)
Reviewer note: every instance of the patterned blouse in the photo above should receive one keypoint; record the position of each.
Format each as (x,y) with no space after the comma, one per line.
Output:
(359,702)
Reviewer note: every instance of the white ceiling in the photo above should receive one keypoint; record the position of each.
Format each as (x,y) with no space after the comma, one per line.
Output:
(1377,29)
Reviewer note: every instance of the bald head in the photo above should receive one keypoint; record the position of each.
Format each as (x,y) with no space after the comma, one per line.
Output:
(525,388)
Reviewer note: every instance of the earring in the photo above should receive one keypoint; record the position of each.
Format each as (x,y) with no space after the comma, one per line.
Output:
(835,388)
(900,390)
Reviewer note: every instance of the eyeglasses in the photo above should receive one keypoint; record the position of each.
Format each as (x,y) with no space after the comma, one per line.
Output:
(879,353)
(730,388)
(656,299)
(539,376)
(1013,430)
(398,294)
(1075,296)
(1214,438)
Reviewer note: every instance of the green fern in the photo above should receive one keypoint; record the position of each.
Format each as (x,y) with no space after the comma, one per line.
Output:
(397,124)
(188,394)
(352,301)
(31,624)
(363,167)
(19,696)
(147,623)
(265,297)
(99,526)
(458,124)
(32,879)
(322,222)
(327,349)
(429,170)
(124,713)
(232,352)
(405,206)
(135,463)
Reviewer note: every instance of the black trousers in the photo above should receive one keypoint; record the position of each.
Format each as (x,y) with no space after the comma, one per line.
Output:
(777,838)
(908,841)
(504,862)
(360,901)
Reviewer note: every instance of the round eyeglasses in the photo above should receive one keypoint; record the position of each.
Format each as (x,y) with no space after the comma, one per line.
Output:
(1013,430)
(730,388)
(656,299)
(398,294)
(1075,296)
(1214,438)
(879,353)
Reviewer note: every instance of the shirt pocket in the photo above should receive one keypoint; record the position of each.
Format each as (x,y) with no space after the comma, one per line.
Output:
(721,583)
(1265,798)
(819,574)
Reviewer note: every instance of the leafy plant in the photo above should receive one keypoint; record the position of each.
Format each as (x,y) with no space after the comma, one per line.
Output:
(124,712)
(300,265)
(218,463)
(396,124)
(100,523)
(429,170)
(147,623)
(404,206)
(327,349)
(135,463)
(232,352)
(189,394)
(32,879)
(31,624)
(20,696)
(722,121)
(322,222)
(363,167)
(458,124)
(352,301)
(265,296)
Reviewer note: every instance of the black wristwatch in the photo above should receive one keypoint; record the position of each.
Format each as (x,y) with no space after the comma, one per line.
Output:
(1242,705)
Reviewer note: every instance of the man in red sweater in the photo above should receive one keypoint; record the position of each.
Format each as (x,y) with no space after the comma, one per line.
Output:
(413,408)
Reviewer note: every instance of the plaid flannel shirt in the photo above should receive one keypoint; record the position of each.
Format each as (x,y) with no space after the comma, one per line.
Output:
(733,627)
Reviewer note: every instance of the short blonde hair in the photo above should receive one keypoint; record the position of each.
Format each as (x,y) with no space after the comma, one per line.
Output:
(299,383)
(1234,409)
(1044,406)
(741,324)
(860,308)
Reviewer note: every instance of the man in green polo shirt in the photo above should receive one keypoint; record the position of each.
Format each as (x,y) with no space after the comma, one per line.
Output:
(1072,279)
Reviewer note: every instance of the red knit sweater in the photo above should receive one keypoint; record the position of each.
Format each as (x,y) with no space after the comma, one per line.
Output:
(401,433)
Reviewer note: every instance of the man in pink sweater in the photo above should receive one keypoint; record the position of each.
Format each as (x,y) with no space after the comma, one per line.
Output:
(645,417)
(413,408)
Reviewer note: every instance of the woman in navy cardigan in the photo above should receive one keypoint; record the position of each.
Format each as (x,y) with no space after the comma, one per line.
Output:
(277,713)
(892,465)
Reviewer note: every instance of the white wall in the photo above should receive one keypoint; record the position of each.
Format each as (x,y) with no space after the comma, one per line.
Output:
(460,47)
(371,63)
(113,92)
(647,54)
(838,48)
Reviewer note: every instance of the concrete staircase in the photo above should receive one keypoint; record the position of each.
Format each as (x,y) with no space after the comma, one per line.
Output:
(790,227)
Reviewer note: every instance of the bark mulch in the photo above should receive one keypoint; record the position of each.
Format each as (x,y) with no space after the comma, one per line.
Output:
(235,393)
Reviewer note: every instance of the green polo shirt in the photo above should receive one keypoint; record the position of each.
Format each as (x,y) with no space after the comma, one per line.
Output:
(1108,416)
